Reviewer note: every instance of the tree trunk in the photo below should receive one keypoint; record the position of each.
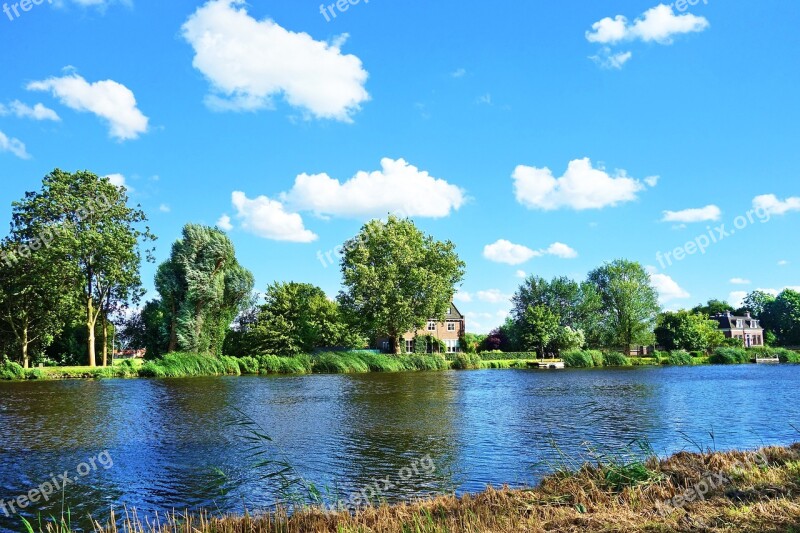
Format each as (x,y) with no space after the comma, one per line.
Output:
(25,361)
(105,341)
(395,345)
(90,328)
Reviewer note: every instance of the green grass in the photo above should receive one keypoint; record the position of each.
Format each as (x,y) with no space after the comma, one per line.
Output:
(177,365)
(355,362)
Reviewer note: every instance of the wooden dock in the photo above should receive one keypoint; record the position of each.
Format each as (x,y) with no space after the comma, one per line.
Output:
(767,360)
(552,365)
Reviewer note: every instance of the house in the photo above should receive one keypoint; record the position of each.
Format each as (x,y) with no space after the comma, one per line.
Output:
(745,328)
(449,331)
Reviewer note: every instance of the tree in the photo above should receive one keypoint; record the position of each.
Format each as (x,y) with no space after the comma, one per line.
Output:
(786,310)
(684,330)
(33,303)
(539,327)
(297,318)
(576,304)
(757,303)
(203,288)
(568,339)
(713,307)
(99,232)
(396,278)
(629,303)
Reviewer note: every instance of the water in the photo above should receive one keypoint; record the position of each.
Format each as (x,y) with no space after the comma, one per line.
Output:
(173,444)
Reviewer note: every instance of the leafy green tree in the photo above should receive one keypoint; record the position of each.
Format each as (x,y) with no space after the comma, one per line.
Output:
(203,288)
(99,231)
(472,342)
(538,328)
(396,278)
(629,303)
(684,330)
(567,339)
(757,303)
(297,318)
(147,329)
(713,307)
(786,310)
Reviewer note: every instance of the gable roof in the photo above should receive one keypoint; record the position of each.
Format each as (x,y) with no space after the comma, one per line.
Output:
(729,321)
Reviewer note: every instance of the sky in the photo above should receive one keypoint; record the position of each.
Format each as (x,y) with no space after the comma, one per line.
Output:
(542,138)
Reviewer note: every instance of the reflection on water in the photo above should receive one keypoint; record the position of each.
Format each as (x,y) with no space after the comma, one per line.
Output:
(176,444)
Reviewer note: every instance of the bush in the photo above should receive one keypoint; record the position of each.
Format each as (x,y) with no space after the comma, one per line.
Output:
(729,356)
(784,355)
(678,358)
(616,359)
(11,370)
(466,361)
(579,359)
(353,362)
(178,365)
(248,365)
(35,374)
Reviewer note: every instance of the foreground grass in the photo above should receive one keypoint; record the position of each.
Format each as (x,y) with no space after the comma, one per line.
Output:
(760,492)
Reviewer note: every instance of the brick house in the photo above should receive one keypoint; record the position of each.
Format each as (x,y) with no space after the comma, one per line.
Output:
(450,330)
(745,328)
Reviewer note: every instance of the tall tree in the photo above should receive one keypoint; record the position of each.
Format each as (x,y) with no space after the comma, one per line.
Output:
(538,328)
(786,310)
(685,330)
(396,278)
(629,303)
(203,287)
(97,229)
(713,307)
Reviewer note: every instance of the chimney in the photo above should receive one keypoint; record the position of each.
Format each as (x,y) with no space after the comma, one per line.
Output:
(747,314)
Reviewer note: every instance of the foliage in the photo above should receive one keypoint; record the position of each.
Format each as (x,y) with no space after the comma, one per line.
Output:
(471,342)
(568,339)
(678,358)
(396,278)
(629,304)
(91,219)
(466,361)
(185,365)
(582,358)
(784,313)
(538,326)
(784,355)
(615,359)
(713,307)
(683,330)
(352,362)
(729,356)
(202,288)
(10,370)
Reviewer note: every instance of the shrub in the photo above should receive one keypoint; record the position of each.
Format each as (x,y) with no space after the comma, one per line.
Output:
(248,365)
(578,359)
(466,361)
(177,365)
(729,356)
(787,356)
(597,357)
(616,359)
(11,370)
(678,358)
(35,374)
(273,364)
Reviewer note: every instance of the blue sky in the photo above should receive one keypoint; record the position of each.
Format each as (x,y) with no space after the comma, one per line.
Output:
(657,124)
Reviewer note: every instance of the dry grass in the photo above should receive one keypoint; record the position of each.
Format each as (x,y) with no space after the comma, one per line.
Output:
(757,496)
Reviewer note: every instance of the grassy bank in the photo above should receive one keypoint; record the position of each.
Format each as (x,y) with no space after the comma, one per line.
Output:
(741,491)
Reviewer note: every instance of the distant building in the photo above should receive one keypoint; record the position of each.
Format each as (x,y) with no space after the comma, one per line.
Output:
(130,354)
(745,328)
(449,331)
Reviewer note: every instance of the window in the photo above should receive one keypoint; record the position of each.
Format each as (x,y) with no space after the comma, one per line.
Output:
(410,346)
(449,310)
(385,346)
(451,326)
(740,323)
(431,326)
(452,345)
(754,324)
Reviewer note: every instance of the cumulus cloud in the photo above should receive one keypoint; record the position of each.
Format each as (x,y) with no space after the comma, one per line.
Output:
(736,298)
(769,203)
(249,62)
(164,208)
(224,223)
(507,252)
(118,180)
(109,100)
(462,296)
(667,288)
(659,24)
(609,59)
(37,112)
(581,187)
(398,187)
(521,274)
(493,296)
(740,281)
(269,219)
(702,214)
(13,145)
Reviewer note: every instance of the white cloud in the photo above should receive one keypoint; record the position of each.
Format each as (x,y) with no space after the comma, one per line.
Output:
(224,223)
(118,180)
(609,59)
(668,289)
(13,145)
(561,250)
(484,99)
(659,24)
(740,281)
(521,274)
(458,73)
(493,296)
(652,181)
(107,99)
(783,262)
(770,204)
(250,62)
(164,208)
(37,112)
(702,214)
(269,219)
(462,296)
(504,251)
(398,187)
(581,187)
(736,298)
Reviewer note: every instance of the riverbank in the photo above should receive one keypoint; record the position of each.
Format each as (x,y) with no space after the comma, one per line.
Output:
(730,492)
(190,365)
